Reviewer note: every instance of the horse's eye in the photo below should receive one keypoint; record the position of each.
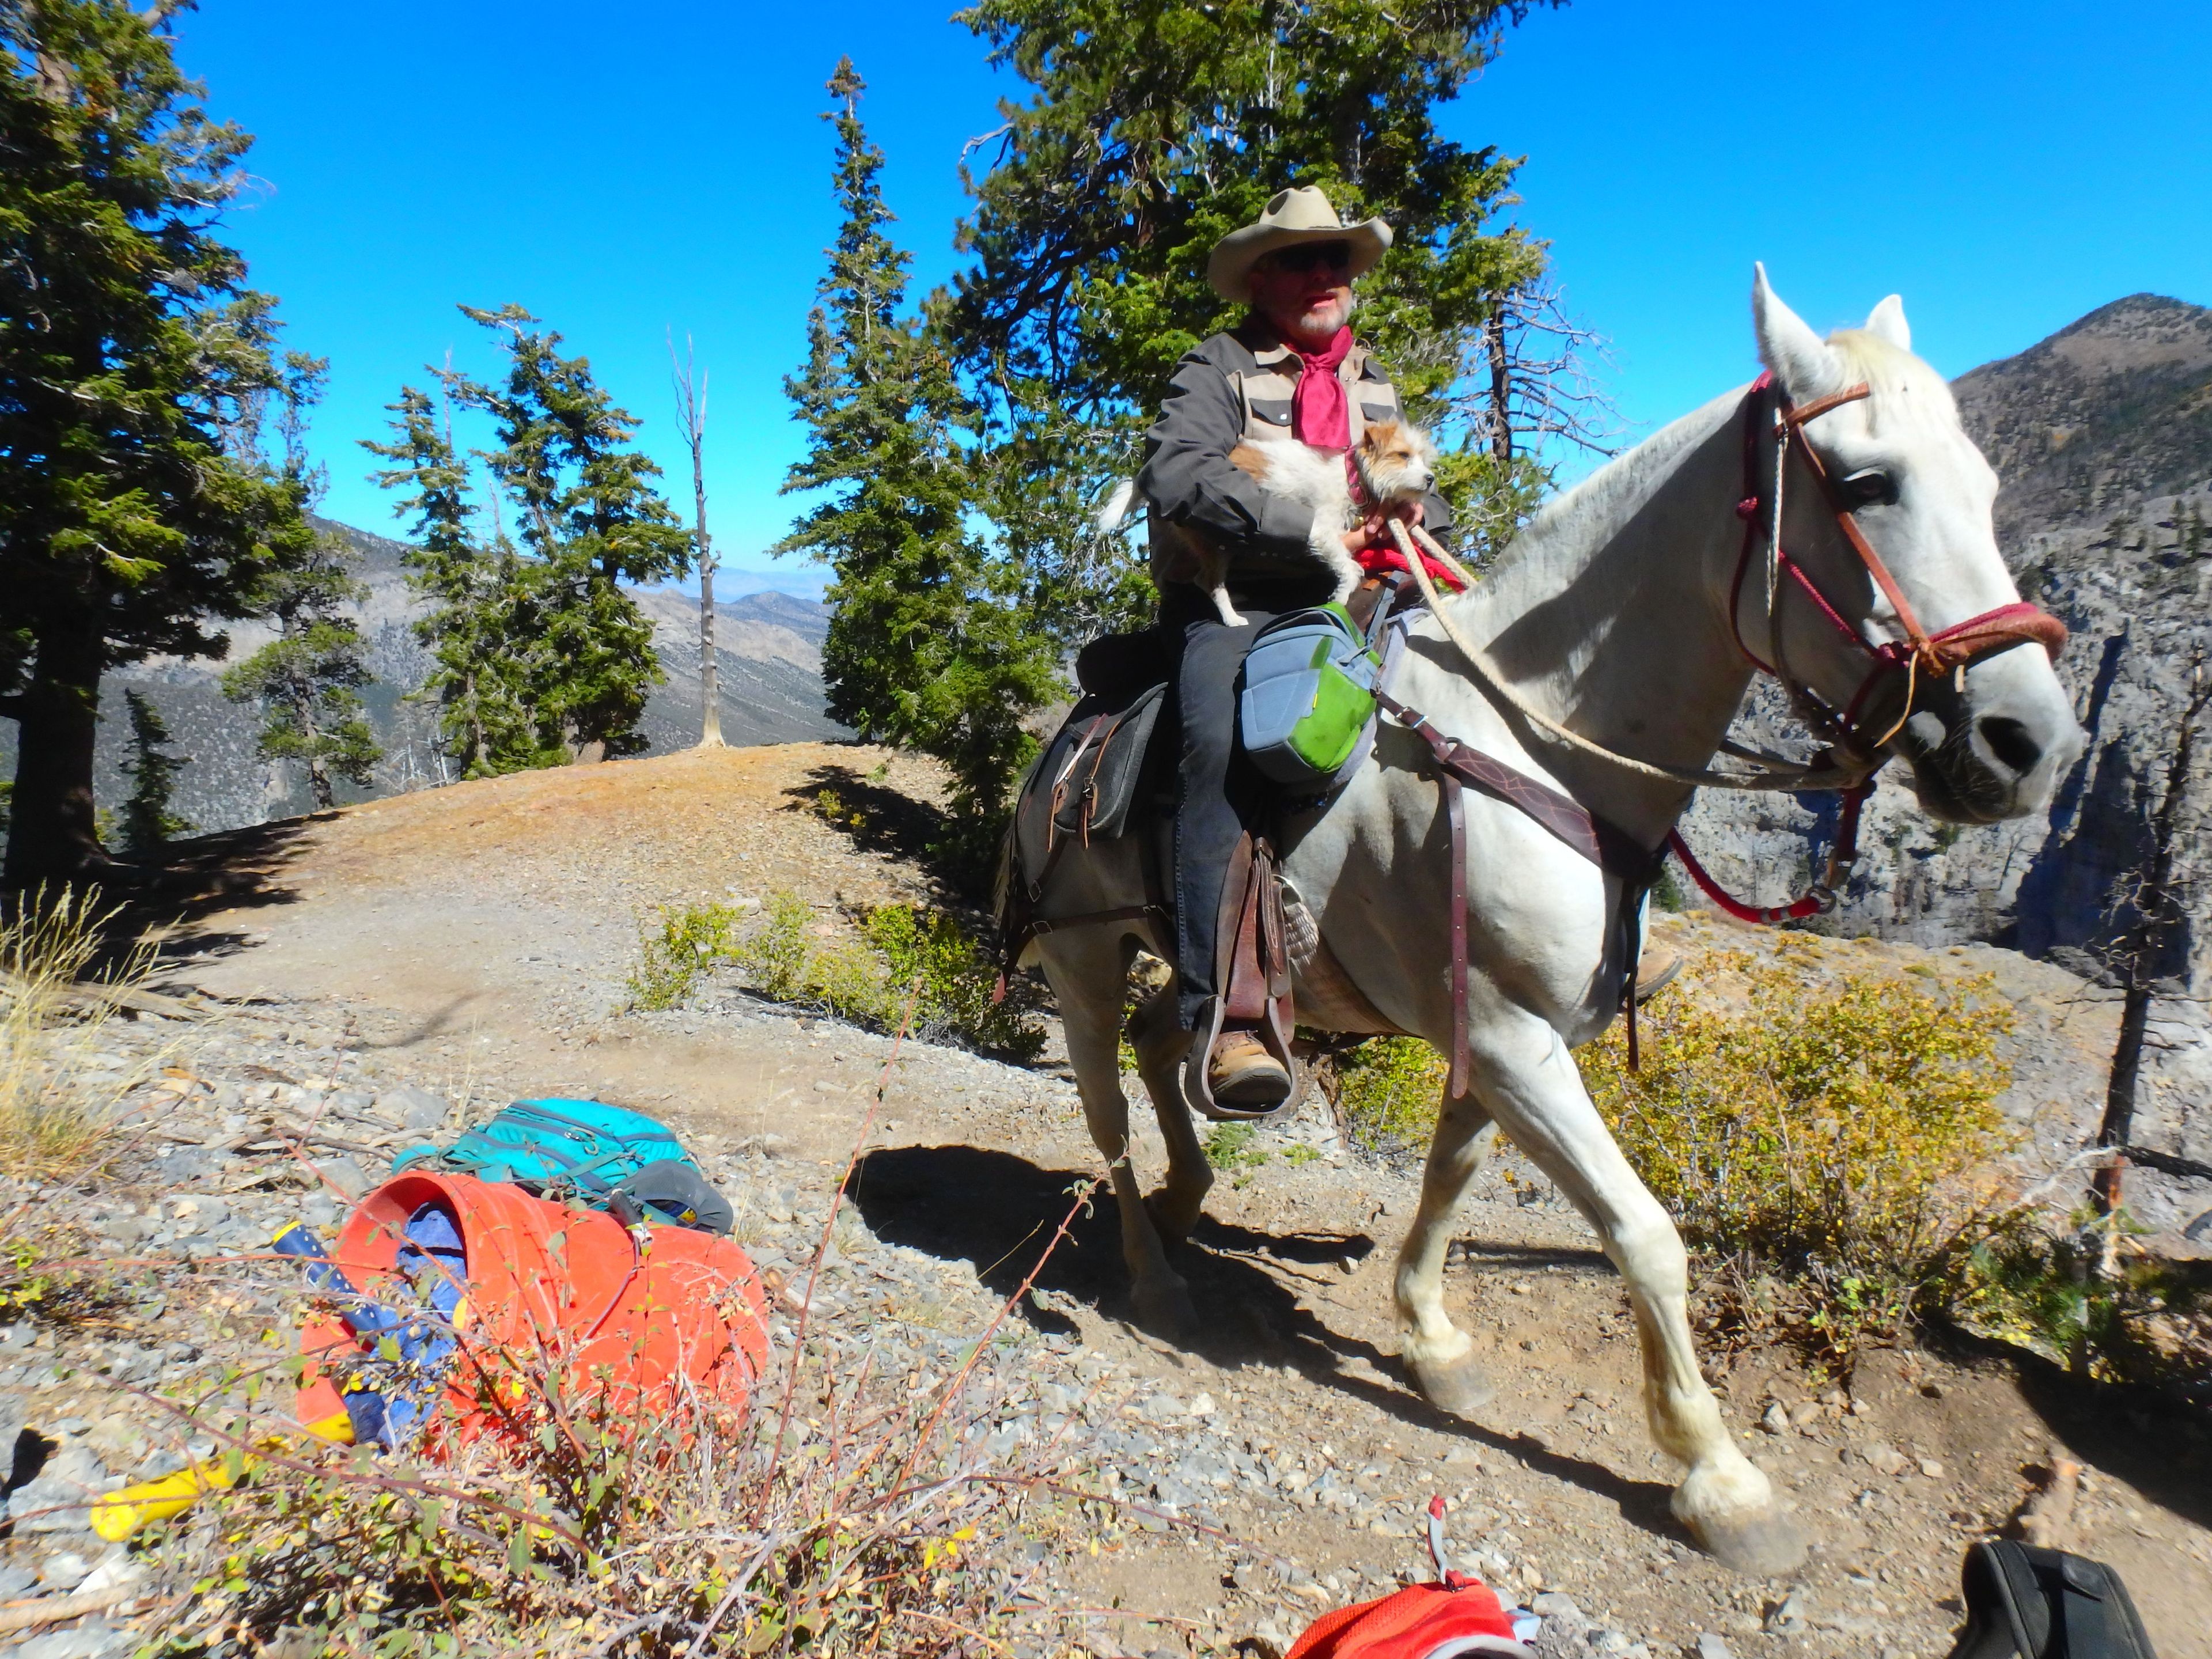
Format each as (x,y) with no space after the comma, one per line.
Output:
(1872,487)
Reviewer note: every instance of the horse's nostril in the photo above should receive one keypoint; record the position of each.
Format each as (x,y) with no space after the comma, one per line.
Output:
(2010,742)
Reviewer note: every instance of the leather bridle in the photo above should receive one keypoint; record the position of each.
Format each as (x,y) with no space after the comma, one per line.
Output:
(1919,656)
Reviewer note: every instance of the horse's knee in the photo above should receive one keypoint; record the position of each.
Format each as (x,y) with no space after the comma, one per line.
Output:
(1649,1253)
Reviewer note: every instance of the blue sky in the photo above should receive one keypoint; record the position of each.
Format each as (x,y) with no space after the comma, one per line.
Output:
(2006,167)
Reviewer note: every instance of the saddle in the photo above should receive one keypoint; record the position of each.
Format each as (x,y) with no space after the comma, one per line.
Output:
(1104,774)
(1088,781)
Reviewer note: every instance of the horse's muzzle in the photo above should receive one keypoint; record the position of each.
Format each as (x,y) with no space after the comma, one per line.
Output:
(1996,751)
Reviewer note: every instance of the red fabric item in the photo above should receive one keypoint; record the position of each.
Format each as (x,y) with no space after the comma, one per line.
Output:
(1417,1622)
(1319,413)
(1380,561)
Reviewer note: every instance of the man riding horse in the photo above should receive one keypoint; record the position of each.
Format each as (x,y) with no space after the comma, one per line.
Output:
(1293,367)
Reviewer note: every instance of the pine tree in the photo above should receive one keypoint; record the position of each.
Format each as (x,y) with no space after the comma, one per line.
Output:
(479,625)
(593,521)
(1153,133)
(147,824)
(929,644)
(307,679)
(130,349)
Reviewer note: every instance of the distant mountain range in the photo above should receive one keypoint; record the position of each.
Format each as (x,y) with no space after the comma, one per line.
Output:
(768,648)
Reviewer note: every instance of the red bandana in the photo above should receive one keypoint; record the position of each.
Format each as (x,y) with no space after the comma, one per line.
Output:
(1318,415)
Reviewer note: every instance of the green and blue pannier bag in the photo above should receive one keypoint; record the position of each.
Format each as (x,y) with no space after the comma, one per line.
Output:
(1307,693)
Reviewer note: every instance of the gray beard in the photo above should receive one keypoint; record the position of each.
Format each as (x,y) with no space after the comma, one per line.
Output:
(1350,305)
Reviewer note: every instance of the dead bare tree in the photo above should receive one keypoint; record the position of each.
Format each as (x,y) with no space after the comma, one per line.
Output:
(1529,389)
(2156,901)
(691,414)
(1541,383)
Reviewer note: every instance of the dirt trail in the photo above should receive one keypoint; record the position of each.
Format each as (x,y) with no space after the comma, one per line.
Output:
(482,933)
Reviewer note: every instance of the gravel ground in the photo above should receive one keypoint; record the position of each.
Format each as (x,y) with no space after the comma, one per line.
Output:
(441,954)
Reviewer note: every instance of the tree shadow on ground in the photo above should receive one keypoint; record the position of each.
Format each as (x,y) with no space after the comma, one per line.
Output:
(247,869)
(2158,1445)
(998,1213)
(877,818)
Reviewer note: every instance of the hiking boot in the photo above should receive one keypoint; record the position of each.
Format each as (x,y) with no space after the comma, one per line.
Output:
(1655,970)
(1241,1072)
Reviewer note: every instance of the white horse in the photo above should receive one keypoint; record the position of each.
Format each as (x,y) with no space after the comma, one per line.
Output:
(1621,615)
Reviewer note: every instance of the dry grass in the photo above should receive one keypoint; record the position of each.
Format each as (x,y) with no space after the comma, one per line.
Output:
(58,1105)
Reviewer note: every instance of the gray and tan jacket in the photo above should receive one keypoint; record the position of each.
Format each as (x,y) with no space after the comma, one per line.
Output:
(1234,386)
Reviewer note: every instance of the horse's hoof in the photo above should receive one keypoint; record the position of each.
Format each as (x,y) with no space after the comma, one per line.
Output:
(1172,1216)
(1457,1386)
(1761,1543)
(1167,1313)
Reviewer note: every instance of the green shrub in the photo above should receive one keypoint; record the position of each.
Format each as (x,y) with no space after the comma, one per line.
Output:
(1229,1147)
(1828,1145)
(2103,1312)
(901,953)
(1387,1090)
(689,945)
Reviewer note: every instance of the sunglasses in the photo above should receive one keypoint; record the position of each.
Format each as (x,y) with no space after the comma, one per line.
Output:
(1311,256)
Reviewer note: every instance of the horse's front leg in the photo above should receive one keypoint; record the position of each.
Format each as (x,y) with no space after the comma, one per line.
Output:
(1531,1084)
(1160,1044)
(1437,1355)
(1087,977)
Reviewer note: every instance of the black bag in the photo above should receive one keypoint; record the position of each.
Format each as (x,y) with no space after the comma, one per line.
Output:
(2028,1603)
(674,1194)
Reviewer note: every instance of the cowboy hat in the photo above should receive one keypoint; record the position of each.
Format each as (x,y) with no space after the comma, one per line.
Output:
(1301,215)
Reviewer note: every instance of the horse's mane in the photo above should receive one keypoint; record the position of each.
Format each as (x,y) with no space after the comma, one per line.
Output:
(1610,496)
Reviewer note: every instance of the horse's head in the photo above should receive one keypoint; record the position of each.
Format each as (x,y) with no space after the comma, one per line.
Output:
(1977,712)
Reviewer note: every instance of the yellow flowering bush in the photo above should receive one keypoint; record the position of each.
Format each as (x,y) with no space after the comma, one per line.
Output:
(1831,1143)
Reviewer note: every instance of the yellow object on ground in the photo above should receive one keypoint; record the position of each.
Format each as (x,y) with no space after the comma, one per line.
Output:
(116,1514)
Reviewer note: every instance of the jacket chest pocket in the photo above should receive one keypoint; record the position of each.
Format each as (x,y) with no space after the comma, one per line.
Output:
(1270,411)
(1377,412)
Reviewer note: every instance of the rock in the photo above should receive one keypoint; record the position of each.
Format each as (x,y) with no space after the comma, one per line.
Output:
(15,1580)
(1160,1408)
(1931,1468)
(1710,1646)
(1775,1420)
(59,1500)
(64,1571)
(116,1569)
(1883,1459)
(319,1210)
(95,1638)
(1788,1617)
(347,1177)
(118,1439)
(1203,1406)
(1555,1606)
(418,1109)
(204,1211)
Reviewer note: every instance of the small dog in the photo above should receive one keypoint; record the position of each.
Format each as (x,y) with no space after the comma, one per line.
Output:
(1396,464)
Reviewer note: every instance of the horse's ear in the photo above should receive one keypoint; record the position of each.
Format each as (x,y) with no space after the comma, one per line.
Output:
(1887,321)
(1799,358)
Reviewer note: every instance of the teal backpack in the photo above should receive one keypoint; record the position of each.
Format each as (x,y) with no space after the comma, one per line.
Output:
(556,1148)
(1308,694)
